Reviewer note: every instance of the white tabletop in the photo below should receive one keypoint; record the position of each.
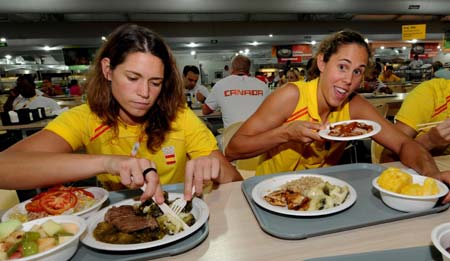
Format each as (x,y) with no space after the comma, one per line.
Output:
(235,234)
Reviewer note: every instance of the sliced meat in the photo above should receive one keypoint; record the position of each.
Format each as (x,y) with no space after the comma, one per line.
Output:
(125,219)
(115,212)
(129,224)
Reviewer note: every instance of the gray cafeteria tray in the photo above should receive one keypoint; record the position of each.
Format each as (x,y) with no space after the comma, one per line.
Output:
(177,247)
(422,253)
(368,209)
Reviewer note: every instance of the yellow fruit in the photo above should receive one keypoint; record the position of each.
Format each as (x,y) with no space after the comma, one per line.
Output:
(430,187)
(393,179)
(412,190)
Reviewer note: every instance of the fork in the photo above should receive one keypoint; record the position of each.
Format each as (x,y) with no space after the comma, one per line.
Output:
(178,204)
(168,211)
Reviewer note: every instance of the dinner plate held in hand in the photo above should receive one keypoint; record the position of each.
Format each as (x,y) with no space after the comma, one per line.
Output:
(325,133)
(274,183)
(199,210)
(100,195)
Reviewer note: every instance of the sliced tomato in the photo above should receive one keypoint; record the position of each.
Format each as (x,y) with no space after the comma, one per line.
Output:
(87,193)
(34,206)
(57,202)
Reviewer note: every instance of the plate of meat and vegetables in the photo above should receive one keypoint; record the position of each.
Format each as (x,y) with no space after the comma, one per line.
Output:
(350,130)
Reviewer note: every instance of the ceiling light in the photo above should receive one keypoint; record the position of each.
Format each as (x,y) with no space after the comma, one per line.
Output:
(366,40)
(193,52)
(270,35)
(382,47)
(255,43)
(313,42)
(439,47)
(412,41)
(404,47)
(236,54)
(3,39)
(8,57)
(246,51)
(241,52)
(103,38)
(192,45)
(47,48)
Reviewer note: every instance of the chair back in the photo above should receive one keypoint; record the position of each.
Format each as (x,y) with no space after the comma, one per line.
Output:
(375,152)
(9,199)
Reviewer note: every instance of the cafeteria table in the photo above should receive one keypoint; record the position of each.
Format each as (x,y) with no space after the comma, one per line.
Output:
(235,234)
(23,128)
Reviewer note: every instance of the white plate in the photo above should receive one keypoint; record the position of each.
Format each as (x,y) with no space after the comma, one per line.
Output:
(63,251)
(100,194)
(199,210)
(375,125)
(271,184)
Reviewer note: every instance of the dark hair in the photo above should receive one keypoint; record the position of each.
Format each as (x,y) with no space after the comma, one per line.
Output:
(437,65)
(331,45)
(125,40)
(190,68)
(28,78)
(389,67)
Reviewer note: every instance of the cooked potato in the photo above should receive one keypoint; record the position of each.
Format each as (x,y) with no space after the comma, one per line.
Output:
(393,179)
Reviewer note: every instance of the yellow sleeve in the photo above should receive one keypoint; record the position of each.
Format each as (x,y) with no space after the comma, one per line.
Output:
(199,139)
(71,126)
(418,106)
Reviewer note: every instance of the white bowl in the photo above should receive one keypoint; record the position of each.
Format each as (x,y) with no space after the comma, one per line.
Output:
(63,251)
(408,203)
(440,236)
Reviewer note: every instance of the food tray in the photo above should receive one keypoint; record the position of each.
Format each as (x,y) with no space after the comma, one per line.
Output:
(411,254)
(368,209)
(180,246)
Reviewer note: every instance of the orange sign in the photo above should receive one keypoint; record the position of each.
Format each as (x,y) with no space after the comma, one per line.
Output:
(416,31)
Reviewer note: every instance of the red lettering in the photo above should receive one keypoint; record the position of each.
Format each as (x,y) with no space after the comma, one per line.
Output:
(238,92)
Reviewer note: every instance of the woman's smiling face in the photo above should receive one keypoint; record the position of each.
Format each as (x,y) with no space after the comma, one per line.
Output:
(342,74)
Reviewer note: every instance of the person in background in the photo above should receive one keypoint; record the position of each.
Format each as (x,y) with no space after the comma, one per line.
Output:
(260,76)
(285,127)
(135,128)
(24,95)
(439,71)
(47,88)
(388,76)
(191,74)
(75,89)
(415,63)
(372,83)
(281,79)
(427,103)
(226,71)
(293,75)
(310,74)
(302,75)
(238,95)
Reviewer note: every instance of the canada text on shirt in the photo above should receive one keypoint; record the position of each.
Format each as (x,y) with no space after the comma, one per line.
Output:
(243,92)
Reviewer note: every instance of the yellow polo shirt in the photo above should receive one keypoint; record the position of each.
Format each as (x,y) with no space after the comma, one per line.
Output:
(391,78)
(295,156)
(189,139)
(428,102)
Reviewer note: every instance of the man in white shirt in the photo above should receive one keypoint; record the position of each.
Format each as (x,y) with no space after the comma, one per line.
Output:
(24,96)
(238,95)
(190,76)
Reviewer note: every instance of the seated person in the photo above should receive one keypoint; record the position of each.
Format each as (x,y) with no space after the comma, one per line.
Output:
(439,71)
(387,76)
(198,92)
(75,89)
(426,103)
(135,128)
(47,88)
(24,95)
(371,82)
(293,75)
(238,95)
(285,127)
(415,63)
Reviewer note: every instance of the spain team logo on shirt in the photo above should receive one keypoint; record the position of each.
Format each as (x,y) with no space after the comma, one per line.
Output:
(169,155)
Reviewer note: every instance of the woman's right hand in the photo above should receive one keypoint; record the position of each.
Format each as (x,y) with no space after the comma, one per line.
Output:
(440,135)
(131,170)
(304,131)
